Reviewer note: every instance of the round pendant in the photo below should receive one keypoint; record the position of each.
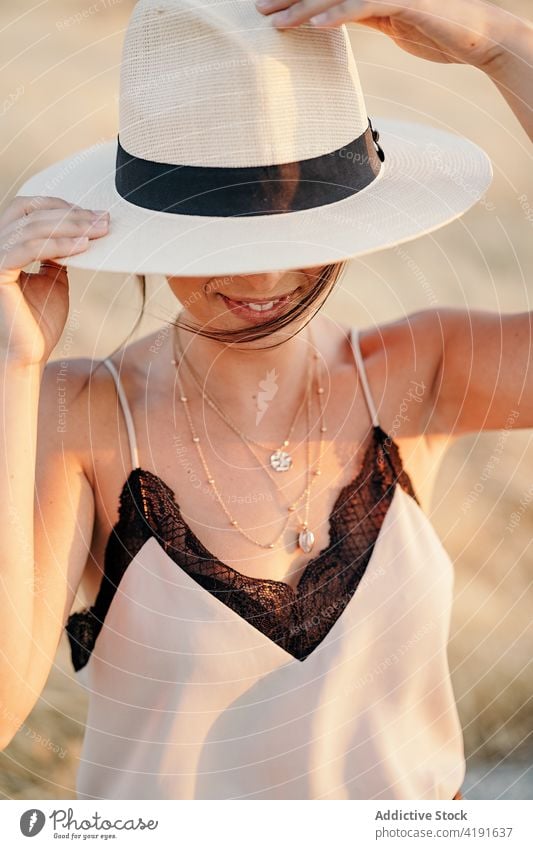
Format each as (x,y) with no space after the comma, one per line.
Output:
(280,460)
(306,540)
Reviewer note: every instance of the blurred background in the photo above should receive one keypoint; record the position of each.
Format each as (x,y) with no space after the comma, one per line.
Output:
(58,94)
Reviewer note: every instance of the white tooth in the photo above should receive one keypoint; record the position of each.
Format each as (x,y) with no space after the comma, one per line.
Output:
(261,307)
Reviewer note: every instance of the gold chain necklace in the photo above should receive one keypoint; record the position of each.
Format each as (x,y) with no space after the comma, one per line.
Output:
(280,459)
(305,538)
(220,413)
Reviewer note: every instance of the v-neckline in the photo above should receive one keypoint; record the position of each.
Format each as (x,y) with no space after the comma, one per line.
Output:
(375,444)
(263,638)
(292,659)
(294,592)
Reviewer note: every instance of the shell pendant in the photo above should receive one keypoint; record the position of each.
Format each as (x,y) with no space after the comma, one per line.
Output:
(306,540)
(280,460)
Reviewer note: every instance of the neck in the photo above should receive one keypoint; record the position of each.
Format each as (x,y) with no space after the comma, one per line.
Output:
(247,381)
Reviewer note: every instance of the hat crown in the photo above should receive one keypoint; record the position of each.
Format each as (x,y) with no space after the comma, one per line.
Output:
(215,84)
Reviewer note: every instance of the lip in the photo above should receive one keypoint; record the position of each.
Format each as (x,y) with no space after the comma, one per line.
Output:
(238,307)
(260,300)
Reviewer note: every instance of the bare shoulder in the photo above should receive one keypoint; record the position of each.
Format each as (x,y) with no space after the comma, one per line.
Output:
(62,423)
(76,409)
(402,361)
(78,412)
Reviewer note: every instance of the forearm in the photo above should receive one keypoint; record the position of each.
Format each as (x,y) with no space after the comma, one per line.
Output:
(20,389)
(510,66)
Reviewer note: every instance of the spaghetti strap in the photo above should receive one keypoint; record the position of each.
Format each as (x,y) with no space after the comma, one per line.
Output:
(127,412)
(354,338)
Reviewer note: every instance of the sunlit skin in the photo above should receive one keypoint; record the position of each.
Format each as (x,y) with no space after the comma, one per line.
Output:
(233,371)
(205,299)
(476,365)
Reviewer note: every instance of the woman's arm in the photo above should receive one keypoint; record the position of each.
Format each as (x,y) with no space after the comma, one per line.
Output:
(511,67)
(47,515)
(46,526)
(484,375)
(471,32)
(483,368)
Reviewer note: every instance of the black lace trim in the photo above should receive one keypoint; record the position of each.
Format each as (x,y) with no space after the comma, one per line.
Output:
(296,619)
(127,537)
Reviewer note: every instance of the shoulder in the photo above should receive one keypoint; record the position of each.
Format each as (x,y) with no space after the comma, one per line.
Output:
(68,384)
(70,395)
(80,377)
(64,384)
(402,360)
(78,410)
(406,338)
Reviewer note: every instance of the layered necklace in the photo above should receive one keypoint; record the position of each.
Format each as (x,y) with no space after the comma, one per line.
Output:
(280,459)
(305,537)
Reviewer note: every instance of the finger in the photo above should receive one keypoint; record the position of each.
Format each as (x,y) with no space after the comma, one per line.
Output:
(50,263)
(39,249)
(340,13)
(25,204)
(54,221)
(25,230)
(325,12)
(295,13)
(355,11)
(266,7)
(42,228)
(49,268)
(53,271)
(62,214)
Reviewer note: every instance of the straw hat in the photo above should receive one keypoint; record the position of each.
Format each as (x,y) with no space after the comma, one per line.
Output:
(244,149)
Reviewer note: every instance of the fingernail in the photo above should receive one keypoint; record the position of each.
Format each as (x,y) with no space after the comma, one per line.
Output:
(281,18)
(100,212)
(318,20)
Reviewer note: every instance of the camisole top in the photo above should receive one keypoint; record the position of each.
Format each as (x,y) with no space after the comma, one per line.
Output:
(206,683)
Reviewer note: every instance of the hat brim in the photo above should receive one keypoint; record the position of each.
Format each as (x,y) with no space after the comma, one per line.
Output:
(429,178)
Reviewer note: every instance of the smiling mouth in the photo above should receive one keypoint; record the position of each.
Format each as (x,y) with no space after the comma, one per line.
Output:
(258,306)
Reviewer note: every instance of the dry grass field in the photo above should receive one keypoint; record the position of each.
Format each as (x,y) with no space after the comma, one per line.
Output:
(58,90)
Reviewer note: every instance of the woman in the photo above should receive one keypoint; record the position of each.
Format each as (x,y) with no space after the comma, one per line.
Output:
(300,649)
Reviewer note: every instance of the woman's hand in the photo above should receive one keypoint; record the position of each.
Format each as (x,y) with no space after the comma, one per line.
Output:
(454,31)
(471,32)
(34,307)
